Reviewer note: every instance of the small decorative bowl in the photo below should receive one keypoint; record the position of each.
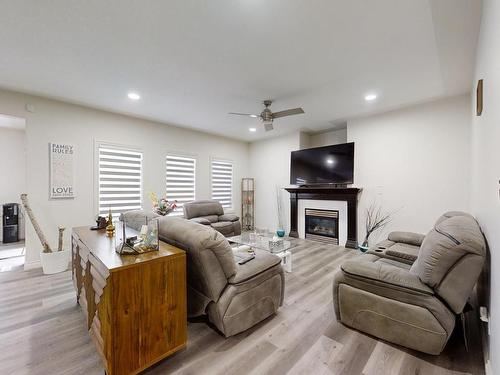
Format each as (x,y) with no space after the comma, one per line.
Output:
(363,249)
(280,233)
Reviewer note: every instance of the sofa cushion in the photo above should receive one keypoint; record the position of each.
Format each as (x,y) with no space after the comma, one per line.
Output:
(197,238)
(224,227)
(229,217)
(209,218)
(407,253)
(395,263)
(263,261)
(409,238)
(443,247)
(398,251)
(391,282)
(201,220)
(202,208)
(386,275)
(449,214)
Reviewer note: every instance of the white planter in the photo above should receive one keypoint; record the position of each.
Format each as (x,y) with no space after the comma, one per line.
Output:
(55,262)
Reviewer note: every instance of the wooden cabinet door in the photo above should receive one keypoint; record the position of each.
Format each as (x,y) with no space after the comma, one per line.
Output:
(149,307)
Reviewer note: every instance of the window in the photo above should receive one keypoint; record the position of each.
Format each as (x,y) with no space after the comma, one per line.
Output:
(120,180)
(222,182)
(181,171)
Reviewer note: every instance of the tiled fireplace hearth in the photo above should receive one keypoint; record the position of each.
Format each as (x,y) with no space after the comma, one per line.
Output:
(322,225)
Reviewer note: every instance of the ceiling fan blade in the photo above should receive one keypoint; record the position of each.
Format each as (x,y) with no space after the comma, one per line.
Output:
(268,126)
(244,114)
(288,112)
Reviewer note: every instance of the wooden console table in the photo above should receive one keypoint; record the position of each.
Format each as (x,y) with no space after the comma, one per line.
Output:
(135,304)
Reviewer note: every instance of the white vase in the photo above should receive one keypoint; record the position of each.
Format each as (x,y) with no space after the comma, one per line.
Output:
(54,262)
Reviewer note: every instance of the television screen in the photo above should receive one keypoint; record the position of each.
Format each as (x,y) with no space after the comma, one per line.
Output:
(323,165)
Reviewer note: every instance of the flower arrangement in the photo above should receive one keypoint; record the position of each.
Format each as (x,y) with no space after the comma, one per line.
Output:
(161,205)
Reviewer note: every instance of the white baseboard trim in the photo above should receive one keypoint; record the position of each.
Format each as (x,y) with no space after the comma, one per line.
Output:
(32,265)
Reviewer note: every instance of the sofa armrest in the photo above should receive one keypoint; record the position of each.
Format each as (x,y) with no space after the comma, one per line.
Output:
(385,276)
(201,220)
(228,217)
(409,238)
(262,262)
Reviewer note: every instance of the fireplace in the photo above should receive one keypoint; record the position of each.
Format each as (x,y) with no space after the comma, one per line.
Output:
(322,225)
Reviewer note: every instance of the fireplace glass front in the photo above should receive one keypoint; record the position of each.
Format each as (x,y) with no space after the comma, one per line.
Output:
(322,225)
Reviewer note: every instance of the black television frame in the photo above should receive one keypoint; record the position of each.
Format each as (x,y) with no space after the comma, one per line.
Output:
(329,184)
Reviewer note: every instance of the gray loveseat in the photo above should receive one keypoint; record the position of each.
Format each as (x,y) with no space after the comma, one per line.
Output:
(411,295)
(235,297)
(211,213)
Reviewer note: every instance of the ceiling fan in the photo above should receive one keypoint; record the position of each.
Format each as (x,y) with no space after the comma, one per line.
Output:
(267,116)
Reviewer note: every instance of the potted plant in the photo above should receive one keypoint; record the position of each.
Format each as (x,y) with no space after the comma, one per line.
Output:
(52,261)
(375,219)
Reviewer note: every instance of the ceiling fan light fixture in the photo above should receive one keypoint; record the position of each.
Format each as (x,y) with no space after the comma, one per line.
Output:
(268,125)
(267,116)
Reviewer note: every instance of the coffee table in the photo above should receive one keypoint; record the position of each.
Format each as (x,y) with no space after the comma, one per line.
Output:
(255,241)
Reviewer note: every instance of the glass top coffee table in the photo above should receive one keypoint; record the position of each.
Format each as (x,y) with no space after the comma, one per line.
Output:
(262,242)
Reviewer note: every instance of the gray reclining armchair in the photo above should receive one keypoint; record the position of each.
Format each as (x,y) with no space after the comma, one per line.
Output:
(211,213)
(411,295)
(235,297)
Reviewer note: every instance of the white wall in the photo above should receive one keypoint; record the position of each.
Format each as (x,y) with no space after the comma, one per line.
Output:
(55,121)
(13,167)
(330,137)
(414,160)
(270,166)
(486,160)
(13,164)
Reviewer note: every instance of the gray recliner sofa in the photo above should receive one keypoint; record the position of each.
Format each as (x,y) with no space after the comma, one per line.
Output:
(235,297)
(411,295)
(211,213)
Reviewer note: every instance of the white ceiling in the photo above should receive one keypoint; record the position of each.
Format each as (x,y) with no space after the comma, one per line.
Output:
(194,61)
(11,122)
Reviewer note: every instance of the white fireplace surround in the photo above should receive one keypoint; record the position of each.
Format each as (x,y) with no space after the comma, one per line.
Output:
(340,206)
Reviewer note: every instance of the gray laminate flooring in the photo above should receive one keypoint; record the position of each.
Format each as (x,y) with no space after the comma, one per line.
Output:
(42,331)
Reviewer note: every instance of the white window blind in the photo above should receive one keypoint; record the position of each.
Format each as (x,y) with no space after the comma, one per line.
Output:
(120,180)
(222,182)
(180,180)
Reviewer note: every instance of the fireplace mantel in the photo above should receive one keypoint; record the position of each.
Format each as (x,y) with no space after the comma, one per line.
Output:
(348,194)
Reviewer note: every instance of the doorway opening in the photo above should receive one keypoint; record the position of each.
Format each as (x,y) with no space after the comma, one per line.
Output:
(12,222)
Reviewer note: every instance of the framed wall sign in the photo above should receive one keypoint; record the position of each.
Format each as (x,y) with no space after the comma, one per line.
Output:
(62,173)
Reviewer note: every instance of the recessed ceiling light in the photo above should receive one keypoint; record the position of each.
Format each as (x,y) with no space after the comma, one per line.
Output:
(370,97)
(254,116)
(329,161)
(252,129)
(133,96)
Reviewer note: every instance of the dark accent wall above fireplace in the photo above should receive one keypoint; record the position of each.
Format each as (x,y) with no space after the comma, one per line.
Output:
(350,195)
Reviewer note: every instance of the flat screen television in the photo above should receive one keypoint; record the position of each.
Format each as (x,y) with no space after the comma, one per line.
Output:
(323,165)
